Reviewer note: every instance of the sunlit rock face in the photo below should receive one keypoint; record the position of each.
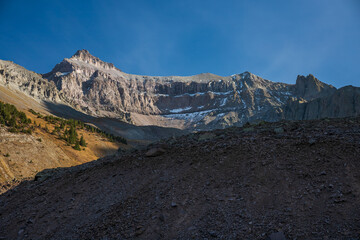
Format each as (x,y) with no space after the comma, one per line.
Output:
(18,78)
(202,101)
(199,102)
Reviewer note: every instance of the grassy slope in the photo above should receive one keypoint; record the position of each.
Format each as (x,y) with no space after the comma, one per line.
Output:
(28,154)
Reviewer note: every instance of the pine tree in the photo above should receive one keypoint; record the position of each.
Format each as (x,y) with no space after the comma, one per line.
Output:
(82,141)
(77,146)
(72,135)
(12,122)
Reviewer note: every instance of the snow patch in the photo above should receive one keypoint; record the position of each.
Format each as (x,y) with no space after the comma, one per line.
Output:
(191,94)
(194,117)
(223,102)
(202,93)
(178,110)
(278,99)
(244,103)
(287,93)
(161,95)
(222,93)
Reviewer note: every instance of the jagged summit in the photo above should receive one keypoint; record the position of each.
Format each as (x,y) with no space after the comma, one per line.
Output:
(86,57)
(310,87)
(83,59)
(82,53)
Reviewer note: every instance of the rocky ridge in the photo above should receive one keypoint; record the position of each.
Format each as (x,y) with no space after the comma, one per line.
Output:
(200,102)
(28,82)
(203,101)
(342,103)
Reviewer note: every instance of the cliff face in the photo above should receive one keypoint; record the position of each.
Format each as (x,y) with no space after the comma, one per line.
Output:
(18,78)
(200,102)
(310,87)
(344,102)
(203,101)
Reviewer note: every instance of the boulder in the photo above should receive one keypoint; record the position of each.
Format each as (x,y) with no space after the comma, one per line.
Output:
(154,152)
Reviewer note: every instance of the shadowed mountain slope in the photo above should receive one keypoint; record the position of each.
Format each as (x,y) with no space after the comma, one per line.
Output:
(299,178)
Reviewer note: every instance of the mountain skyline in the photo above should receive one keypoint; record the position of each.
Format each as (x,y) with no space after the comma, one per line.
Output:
(89,88)
(165,119)
(275,41)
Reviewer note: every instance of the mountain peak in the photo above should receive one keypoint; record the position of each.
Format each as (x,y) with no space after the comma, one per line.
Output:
(82,52)
(86,57)
(310,87)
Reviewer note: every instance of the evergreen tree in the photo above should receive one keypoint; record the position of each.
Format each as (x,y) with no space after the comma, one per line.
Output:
(77,146)
(82,141)
(12,122)
(62,125)
(72,135)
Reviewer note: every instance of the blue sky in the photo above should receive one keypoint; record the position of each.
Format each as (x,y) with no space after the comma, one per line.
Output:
(276,40)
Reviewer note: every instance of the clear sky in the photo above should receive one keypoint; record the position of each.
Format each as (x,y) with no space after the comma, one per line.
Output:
(276,40)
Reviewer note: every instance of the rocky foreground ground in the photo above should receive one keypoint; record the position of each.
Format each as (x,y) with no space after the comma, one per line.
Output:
(296,179)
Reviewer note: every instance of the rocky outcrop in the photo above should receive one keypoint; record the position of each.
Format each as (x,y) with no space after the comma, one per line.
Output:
(344,102)
(310,87)
(18,78)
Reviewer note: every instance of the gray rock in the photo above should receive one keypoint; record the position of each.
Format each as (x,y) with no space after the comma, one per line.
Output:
(279,130)
(154,152)
(312,141)
(206,136)
(249,129)
(44,175)
(277,236)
